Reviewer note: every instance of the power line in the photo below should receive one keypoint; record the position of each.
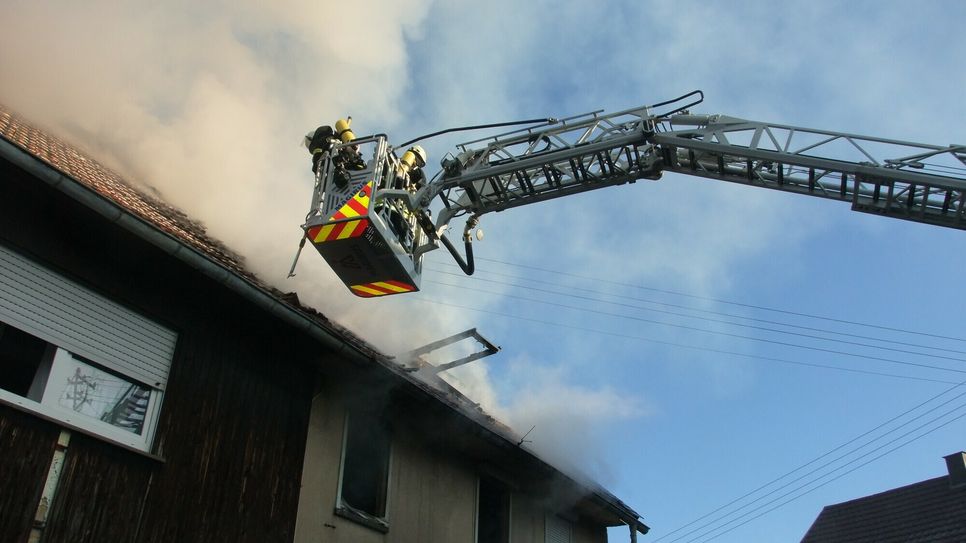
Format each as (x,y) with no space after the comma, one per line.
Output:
(720,321)
(833,461)
(867,462)
(703,349)
(816,459)
(677,306)
(721,301)
(727,334)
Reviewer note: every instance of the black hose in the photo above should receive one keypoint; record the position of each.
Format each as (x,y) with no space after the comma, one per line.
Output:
(682,97)
(467,265)
(477,127)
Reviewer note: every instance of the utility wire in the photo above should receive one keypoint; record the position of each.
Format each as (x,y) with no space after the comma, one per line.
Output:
(816,459)
(719,333)
(720,321)
(867,462)
(721,301)
(697,348)
(823,466)
(677,306)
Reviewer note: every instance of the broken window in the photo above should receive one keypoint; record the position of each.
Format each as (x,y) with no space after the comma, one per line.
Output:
(493,512)
(364,478)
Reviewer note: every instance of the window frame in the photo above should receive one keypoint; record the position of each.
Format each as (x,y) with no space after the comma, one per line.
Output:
(46,406)
(505,489)
(344,509)
(97,331)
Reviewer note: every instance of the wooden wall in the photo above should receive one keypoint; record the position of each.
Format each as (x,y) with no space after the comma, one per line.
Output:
(234,416)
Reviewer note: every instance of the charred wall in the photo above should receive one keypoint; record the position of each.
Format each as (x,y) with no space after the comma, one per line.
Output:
(231,435)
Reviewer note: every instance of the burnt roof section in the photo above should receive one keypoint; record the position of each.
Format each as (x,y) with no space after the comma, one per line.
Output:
(918,513)
(79,167)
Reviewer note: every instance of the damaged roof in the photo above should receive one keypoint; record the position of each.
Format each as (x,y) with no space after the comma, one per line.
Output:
(67,168)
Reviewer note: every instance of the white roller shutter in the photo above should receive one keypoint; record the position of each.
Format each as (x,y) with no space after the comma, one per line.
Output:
(558,530)
(60,311)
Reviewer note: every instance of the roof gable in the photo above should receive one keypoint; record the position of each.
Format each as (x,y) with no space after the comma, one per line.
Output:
(922,512)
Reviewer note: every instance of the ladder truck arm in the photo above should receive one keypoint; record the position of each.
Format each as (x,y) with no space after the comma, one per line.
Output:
(906,180)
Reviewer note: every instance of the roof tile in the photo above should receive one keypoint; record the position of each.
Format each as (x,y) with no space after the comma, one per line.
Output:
(928,511)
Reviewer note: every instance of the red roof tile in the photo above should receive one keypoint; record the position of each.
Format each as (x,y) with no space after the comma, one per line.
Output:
(72,162)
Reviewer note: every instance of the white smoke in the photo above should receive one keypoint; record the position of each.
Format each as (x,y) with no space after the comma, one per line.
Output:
(206,104)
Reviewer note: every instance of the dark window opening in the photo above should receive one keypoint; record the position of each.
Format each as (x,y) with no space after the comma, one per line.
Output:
(365,471)
(493,522)
(21,358)
(59,380)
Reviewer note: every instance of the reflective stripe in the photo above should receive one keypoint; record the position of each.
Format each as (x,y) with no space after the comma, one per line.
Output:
(340,230)
(366,292)
(381,288)
(389,286)
(355,206)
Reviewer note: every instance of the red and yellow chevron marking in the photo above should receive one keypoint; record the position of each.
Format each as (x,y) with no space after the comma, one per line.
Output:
(357,205)
(381,288)
(339,230)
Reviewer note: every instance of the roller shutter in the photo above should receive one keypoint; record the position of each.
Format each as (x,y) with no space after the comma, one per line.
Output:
(60,311)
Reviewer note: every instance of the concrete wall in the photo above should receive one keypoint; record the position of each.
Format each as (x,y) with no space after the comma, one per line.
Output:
(432,495)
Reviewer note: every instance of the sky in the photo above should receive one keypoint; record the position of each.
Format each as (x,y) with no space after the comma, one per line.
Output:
(595,299)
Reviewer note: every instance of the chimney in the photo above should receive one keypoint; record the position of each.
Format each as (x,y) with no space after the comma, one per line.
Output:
(956,464)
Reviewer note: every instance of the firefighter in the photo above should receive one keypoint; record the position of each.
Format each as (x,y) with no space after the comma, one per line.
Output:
(321,141)
(410,177)
(318,143)
(349,155)
(409,173)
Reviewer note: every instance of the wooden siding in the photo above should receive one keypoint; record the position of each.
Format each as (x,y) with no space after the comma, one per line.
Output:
(26,447)
(234,417)
(101,492)
(234,429)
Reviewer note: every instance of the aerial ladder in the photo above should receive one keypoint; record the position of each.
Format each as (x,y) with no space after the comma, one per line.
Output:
(373,230)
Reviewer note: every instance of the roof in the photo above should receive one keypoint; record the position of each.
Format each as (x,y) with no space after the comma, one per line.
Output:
(923,512)
(71,161)
(82,173)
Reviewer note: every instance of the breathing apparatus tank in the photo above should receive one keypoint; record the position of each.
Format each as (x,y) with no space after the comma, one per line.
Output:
(414,157)
(342,130)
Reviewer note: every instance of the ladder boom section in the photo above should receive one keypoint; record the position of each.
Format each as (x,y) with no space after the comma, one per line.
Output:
(912,181)
(570,156)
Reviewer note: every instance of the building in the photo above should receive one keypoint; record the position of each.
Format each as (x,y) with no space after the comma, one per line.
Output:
(928,511)
(152,389)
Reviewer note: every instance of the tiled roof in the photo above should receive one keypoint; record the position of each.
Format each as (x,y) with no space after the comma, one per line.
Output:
(69,160)
(925,512)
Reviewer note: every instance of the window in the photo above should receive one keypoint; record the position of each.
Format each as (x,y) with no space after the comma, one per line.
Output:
(70,354)
(71,388)
(493,512)
(364,478)
(558,530)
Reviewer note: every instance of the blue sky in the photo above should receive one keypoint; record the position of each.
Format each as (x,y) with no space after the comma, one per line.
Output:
(212,120)
(678,432)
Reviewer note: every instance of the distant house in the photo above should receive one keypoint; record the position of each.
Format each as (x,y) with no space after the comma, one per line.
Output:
(152,389)
(929,511)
